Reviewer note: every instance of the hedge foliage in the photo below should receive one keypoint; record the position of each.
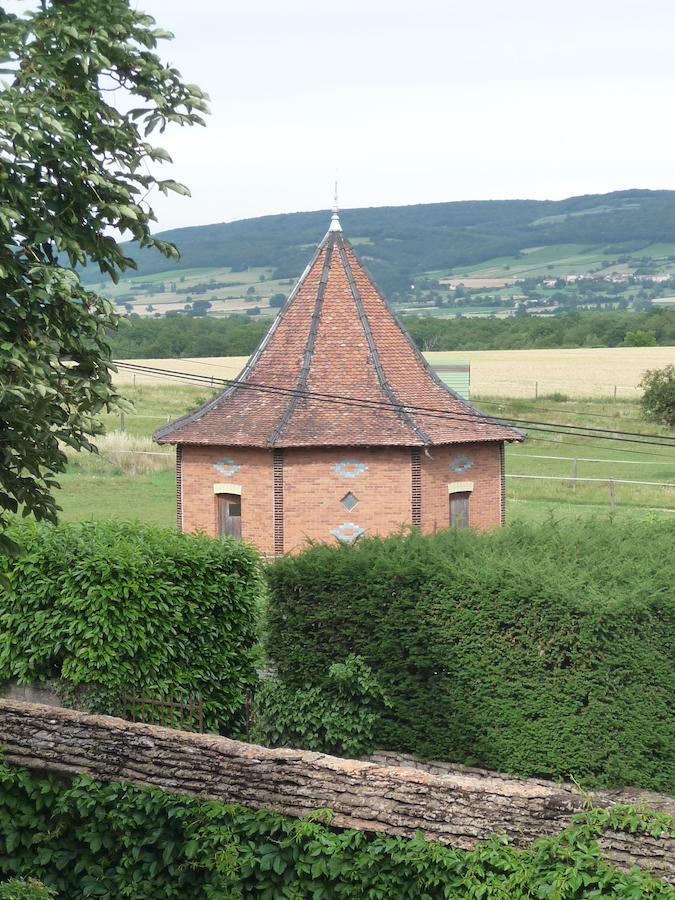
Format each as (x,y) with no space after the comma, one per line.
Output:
(24,889)
(339,718)
(541,650)
(121,607)
(115,840)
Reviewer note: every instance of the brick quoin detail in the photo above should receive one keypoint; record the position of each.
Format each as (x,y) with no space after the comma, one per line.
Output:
(278,464)
(416,487)
(179,488)
(502,472)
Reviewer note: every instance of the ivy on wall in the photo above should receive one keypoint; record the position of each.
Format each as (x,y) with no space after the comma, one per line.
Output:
(87,839)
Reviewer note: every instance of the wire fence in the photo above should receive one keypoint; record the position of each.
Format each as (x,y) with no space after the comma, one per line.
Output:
(611,483)
(541,388)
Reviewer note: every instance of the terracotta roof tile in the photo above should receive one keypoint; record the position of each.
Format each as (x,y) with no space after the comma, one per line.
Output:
(336,335)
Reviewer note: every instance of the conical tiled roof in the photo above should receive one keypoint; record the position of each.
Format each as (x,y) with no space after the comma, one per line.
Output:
(335,336)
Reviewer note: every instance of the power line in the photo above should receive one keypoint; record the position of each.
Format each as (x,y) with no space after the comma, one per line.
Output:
(543,440)
(429,412)
(572,412)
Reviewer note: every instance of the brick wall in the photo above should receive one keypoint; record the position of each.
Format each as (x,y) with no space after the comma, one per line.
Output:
(316,481)
(479,463)
(249,467)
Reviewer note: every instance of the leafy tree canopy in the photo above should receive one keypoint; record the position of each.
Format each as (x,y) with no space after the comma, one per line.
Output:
(658,399)
(84,89)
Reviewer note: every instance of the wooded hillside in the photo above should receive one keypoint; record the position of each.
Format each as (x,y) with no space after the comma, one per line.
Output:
(395,242)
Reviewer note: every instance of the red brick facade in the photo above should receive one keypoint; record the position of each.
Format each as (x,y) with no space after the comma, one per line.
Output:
(316,480)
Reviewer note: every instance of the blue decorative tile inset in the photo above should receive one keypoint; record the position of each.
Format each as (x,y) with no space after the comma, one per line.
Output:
(348,532)
(349,468)
(461,464)
(226,466)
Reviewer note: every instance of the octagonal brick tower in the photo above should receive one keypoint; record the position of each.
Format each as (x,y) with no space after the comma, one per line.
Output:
(336,427)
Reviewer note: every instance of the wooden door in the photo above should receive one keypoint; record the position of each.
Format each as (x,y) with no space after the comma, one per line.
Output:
(459,509)
(229,515)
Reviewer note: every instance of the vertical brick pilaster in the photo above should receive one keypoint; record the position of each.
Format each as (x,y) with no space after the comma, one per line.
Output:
(278,467)
(179,487)
(502,484)
(416,488)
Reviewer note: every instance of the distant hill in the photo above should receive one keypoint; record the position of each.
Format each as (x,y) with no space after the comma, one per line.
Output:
(396,242)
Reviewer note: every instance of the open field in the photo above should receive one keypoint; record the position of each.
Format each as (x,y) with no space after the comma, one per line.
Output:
(141,486)
(170,291)
(500,373)
(563,259)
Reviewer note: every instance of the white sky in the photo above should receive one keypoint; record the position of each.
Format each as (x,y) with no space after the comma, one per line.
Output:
(415,101)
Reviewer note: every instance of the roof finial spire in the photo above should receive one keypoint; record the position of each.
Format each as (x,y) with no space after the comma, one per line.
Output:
(335,219)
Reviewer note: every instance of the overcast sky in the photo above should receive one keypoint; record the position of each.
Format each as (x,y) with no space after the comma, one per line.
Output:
(416,101)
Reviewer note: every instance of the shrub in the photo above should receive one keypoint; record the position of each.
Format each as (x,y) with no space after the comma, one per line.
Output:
(339,718)
(122,607)
(540,650)
(116,840)
(19,889)
(658,399)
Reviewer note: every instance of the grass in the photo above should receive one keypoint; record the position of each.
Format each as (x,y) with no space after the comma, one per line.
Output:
(147,498)
(105,486)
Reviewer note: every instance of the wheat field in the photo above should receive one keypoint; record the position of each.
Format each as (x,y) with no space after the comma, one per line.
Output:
(501,373)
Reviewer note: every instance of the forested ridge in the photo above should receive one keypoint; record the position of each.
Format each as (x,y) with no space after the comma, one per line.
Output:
(398,241)
(173,337)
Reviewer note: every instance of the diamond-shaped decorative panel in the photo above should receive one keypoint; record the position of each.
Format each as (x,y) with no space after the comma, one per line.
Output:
(349,468)
(348,532)
(461,463)
(226,466)
(349,501)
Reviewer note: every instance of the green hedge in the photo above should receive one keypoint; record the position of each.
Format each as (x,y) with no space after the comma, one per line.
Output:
(24,889)
(116,840)
(121,607)
(541,650)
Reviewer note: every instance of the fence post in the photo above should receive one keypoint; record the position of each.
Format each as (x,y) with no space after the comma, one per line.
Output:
(133,463)
(611,493)
(536,390)
(615,393)
(574,476)
(121,421)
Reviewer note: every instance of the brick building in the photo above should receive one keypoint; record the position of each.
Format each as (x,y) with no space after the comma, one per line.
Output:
(336,427)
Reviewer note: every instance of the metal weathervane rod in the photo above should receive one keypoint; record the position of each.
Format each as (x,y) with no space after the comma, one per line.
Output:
(335,218)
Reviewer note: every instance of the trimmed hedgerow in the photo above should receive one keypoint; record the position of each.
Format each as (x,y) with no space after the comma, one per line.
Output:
(541,650)
(88,839)
(123,607)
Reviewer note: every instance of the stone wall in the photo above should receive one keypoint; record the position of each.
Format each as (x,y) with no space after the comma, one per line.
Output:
(457,808)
